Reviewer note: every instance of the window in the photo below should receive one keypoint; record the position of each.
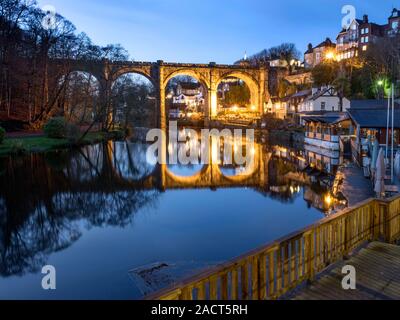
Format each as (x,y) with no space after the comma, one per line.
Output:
(366,39)
(395,25)
(362,31)
(364,48)
(366,30)
(323,104)
(362,39)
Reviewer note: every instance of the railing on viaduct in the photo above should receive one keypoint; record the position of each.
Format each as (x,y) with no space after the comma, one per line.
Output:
(274,270)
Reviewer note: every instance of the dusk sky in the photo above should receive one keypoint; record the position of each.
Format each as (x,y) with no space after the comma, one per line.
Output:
(211,30)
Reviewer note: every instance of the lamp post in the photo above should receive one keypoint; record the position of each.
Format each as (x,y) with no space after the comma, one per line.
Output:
(381,89)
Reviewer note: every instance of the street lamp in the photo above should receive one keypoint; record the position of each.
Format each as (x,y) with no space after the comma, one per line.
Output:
(381,84)
(330,55)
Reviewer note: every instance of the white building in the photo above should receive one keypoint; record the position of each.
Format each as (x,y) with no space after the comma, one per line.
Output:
(323,100)
(277,107)
(190,95)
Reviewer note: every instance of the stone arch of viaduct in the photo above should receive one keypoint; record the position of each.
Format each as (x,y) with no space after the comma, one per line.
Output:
(159,73)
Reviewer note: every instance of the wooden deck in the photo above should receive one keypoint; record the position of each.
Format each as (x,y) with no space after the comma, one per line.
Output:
(378,277)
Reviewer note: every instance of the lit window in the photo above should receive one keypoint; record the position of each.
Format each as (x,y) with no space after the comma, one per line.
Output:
(364,48)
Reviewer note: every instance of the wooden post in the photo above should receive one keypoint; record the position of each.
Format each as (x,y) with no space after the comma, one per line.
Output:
(262,269)
(234,284)
(244,273)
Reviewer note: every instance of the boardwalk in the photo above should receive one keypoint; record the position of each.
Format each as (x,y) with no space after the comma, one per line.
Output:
(378,277)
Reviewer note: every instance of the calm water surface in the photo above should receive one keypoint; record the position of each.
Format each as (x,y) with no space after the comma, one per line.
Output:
(116,227)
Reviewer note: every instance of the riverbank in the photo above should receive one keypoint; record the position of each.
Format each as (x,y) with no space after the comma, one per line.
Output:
(40,143)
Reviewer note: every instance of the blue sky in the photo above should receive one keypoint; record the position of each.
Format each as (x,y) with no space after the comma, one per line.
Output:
(211,30)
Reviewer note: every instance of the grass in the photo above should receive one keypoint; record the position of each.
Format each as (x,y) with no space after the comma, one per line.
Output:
(12,146)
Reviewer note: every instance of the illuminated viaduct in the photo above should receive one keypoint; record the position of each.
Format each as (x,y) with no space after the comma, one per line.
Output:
(160,73)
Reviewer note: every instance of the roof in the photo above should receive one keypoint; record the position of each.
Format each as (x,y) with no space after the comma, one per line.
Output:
(395,10)
(327,43)
(370,104)
(328,118)
(322,92)
(302,93)
(374,118)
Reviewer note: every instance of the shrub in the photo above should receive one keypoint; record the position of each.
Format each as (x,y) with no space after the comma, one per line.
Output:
(2,135)
(17,147)
(73,133)
(56,128)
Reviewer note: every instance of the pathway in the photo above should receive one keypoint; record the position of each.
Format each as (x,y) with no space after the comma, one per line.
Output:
(377,277)
(355,187)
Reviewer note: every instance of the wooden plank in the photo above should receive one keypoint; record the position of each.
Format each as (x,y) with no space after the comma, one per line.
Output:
(271,274)
(244,276)
(378,276)
(234,284)
(201,291)
(255,294)
(279,270)
(286,266)
(263,277)
(300,259)
(224,287)
(293,254)
(214,288)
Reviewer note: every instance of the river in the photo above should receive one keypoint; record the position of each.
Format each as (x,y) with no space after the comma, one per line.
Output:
(116,227)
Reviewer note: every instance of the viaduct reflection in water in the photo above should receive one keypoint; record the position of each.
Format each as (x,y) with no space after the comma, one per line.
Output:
(47,199)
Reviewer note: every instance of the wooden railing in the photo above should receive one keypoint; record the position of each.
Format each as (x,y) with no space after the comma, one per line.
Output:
(273,270)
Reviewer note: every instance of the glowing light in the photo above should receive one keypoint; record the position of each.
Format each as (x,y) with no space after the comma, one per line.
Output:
(380,83)
(214,104)
(328,200)
(215,153)
(253,108)
(330,55)
(235,108)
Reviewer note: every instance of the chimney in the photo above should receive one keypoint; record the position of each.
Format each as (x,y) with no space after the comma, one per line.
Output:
(310,46)
(365,18)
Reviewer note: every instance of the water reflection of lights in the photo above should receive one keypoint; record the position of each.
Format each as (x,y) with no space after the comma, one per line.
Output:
(295,189)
